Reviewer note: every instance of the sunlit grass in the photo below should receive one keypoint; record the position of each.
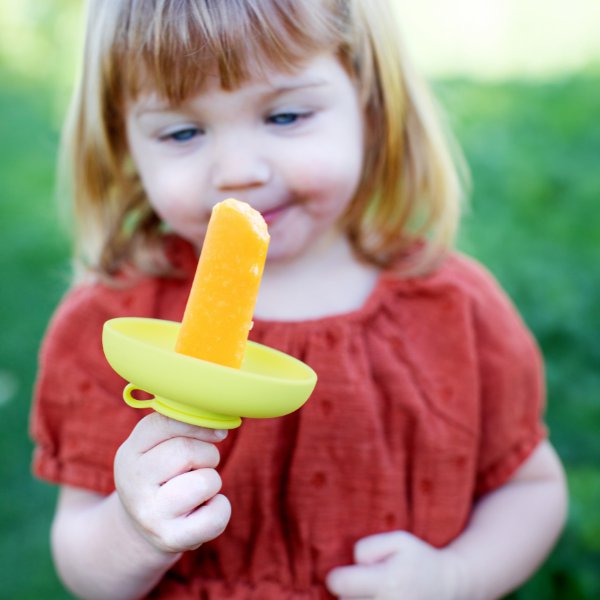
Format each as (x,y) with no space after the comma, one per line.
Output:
(33,265)
(533,152)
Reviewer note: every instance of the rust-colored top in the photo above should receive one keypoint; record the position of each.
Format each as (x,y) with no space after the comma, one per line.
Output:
(428,396)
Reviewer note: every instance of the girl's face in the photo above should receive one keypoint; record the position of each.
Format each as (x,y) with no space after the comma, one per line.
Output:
(291,145)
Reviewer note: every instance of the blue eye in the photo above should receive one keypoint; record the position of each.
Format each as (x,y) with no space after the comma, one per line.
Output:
(286,118)
(182,135)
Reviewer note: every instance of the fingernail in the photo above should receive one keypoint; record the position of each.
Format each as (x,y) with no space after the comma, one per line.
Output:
(221,434)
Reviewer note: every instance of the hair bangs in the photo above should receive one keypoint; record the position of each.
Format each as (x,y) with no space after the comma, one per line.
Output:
(174,48)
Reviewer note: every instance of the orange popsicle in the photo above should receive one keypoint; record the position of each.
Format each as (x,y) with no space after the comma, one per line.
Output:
(218,314)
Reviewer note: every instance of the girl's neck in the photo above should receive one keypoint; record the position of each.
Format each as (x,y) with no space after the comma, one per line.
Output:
(325,280)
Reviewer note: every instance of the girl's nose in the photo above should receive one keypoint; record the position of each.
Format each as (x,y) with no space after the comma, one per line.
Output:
(238,165)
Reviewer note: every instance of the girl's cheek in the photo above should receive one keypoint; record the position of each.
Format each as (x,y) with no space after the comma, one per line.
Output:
(328,178)
(332,161)
(169,182)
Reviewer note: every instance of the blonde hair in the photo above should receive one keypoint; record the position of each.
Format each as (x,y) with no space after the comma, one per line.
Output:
(409,193)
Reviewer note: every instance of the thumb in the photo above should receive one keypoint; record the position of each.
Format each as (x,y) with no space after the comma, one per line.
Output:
(377,548)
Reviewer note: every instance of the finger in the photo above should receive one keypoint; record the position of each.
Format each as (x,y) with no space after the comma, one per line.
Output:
(156,428)
(376,548)
(183,494)
(176,456)
(356,581)
(204,524)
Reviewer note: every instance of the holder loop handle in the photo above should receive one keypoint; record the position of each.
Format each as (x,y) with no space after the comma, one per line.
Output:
(129,399)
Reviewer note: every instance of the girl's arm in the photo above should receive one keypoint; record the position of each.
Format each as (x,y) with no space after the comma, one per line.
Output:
(511,531)
(97,551)
(119,546)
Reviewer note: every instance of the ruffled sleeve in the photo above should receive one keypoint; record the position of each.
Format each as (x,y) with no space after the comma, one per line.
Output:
(73,420)
(511,380)
(79,419)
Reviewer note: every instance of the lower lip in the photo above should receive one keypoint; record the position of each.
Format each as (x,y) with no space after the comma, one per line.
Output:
(270,216)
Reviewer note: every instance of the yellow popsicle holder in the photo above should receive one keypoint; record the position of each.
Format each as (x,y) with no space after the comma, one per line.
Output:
(269,383)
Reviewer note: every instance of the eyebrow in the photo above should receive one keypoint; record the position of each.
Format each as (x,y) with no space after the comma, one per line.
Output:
(291,87)
(272,92)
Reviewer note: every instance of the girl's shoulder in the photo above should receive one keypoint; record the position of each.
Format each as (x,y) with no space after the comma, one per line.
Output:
(76,422)
(460,295)
(458,277)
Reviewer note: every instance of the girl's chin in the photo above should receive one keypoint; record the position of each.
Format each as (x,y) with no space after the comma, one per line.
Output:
(290,246)
(286,252)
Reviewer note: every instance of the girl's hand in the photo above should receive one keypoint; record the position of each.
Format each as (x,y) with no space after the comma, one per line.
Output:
(166,480)
(397,566)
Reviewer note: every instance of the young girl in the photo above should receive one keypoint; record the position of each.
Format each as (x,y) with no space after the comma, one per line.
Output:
(419,468)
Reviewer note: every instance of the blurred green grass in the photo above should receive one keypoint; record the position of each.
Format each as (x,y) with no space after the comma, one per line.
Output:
(34,270)
(533,150)
(534,153)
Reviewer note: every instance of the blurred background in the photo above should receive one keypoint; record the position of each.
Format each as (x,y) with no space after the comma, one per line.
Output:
(520,83)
